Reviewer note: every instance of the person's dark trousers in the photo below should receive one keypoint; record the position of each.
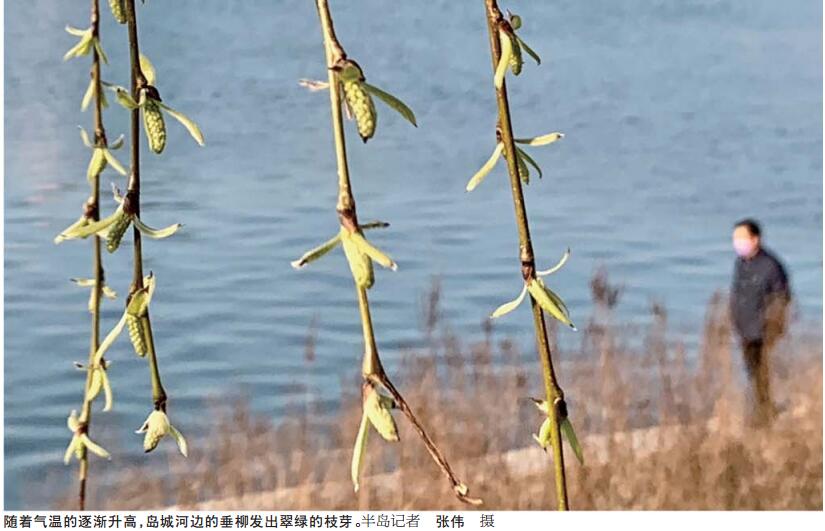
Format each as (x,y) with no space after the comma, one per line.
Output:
(755,353)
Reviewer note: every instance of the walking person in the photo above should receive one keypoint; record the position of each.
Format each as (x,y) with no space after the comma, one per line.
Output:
(760,296)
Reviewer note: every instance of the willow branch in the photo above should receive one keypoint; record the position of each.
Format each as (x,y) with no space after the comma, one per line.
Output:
(371,367)
(93,212)
(555,395)
(133,195)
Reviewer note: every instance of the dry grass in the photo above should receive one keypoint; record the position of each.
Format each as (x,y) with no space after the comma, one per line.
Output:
(659,431)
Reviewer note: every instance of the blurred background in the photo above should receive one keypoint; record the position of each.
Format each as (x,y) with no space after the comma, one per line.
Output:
(680,119)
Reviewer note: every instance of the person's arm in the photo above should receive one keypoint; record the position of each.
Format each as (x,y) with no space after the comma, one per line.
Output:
(734,296)
(777,300)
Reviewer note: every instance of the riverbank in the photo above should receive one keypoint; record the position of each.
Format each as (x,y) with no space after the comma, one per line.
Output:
(658,432)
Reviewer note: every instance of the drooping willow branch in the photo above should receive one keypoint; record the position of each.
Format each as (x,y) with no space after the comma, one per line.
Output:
(143,98)
(96,377)
(347,83)
(506,52)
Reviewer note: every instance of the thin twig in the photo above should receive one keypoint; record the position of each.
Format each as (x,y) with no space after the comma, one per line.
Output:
(92,209)
(371,368)
(133,195)
(555,395)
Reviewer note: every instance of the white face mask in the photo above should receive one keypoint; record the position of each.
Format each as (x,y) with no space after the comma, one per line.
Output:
(744,247)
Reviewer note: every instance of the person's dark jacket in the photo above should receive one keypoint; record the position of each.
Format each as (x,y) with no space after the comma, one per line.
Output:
(759,296)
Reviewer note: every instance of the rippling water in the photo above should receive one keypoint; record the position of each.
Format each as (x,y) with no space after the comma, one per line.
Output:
(680,117)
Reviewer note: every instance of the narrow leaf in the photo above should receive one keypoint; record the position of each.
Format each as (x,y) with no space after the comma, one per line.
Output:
(373,252)
(529,50)
(313,85)
(94,447)
(75,31)
(148,69)
(393,102)
(509,306)
(118,143)
(488,166)
(504,60)
(84,136)
(374,225)
(190,126)
(113,162)
(107,391)
(542,140)
(179,438)
(548,303)
(556,267)
(529,160)
(84,230)
(99,50)
(317,252)
(359,451)
(109,339)
(157,234)
(70,449)
(87,97)
(109,293)
(570,434)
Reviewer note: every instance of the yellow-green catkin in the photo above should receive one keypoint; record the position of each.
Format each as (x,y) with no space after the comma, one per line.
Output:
(360,264)
(516,60)
(137,334)
(154,125)
(116,232)
(118,9)
(362,107)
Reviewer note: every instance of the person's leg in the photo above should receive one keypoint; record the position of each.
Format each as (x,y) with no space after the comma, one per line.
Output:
(771,339)
(752,352)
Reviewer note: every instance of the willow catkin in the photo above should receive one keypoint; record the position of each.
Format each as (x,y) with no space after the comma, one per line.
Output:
(154,125)
(116,231)
(362,107)
(118,8)
(137,334)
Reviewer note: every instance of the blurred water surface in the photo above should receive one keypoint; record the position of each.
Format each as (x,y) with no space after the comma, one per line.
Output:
(680,117)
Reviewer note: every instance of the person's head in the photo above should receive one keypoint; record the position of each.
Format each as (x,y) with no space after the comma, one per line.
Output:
(746,238)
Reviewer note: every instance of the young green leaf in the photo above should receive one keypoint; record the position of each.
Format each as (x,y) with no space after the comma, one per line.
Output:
(374,225)
(556,267)
(359,451)
(178,436)
(190,126)
(94,447)
(84,136)
(317,252)
(488,166)
(113,162)
(88,95)
(147,69)
(570,434)
(540,140)
(504,61)
(99,50)
(529,50)
(378,411)
(549,301)
(529,160)
(393,102)
(373,252)
(156,234)
(508,307)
